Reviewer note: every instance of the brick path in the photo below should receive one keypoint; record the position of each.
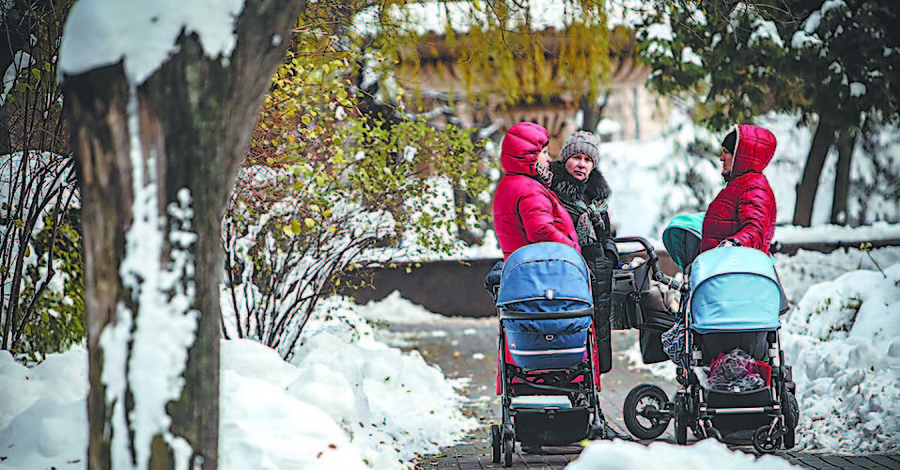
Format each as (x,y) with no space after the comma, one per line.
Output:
(465,348)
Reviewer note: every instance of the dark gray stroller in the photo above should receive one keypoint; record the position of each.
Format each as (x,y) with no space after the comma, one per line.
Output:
(730,309)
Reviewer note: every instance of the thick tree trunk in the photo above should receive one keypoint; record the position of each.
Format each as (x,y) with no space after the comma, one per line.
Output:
(845,143)
(99,130)
(592,112)
(196,116)
(809,183)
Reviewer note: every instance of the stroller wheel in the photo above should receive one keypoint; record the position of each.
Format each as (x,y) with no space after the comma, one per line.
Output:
(495,443)
(645,411)
(681,420)
(508,444)
(791,410)
(764,442)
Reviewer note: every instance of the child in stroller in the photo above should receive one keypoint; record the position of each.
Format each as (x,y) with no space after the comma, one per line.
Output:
(727,323)
(549,396)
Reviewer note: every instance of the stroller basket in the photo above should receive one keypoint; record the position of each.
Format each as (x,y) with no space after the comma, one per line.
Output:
(738,428)
(552,427)
(545,306)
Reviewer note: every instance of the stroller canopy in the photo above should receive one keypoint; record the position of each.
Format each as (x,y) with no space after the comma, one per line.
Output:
(682,238)
(545,277)
(734,289)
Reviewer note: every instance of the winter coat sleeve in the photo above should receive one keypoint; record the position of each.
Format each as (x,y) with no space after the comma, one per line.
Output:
(492,279)
(604,228)
(756,206)
(537,218)
(605,235)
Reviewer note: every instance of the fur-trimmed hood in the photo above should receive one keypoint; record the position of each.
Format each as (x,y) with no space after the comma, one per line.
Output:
(569,188)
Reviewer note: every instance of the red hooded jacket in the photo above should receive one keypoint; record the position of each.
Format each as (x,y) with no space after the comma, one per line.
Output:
(744,211)
(525,210)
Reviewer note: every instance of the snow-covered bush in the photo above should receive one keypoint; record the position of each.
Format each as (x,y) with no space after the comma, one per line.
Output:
(336,190)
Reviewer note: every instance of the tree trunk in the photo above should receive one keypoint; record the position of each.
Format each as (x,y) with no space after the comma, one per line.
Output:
(809,184)
(846,141)
(592,112)
(195,116)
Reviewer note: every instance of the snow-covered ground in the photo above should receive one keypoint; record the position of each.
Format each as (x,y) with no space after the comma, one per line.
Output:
(347,400)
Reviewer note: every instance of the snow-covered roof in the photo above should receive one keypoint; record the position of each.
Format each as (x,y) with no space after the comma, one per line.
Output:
(436,16)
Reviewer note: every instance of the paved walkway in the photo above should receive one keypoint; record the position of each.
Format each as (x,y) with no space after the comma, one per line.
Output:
(465,349)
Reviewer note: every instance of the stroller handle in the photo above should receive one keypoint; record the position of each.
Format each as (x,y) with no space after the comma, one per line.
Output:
(653,260)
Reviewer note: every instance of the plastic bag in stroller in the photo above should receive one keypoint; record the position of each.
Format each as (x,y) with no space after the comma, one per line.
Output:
(548,393)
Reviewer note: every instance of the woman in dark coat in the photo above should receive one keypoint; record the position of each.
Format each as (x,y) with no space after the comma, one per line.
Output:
(584,193)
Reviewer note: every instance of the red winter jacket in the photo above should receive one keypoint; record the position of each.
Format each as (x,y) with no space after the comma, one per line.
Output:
(525,210)
(744,211)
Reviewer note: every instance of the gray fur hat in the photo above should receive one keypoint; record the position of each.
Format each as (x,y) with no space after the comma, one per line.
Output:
(582,142)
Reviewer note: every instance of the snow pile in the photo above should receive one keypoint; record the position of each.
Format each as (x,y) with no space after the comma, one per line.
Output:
(345,401)
(705,455)
(400,405)
(843,342)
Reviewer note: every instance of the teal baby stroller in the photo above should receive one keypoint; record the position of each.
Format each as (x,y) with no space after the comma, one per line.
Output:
(734,384)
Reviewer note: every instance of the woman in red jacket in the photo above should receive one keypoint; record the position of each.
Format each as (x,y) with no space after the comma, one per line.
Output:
(743,213)
(525,210)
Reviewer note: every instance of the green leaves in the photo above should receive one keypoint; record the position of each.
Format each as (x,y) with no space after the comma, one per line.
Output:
(58,319)
(754,58)
(345,178)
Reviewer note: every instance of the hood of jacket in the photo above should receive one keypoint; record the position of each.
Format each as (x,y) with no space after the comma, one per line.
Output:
(521,146)
(754,150)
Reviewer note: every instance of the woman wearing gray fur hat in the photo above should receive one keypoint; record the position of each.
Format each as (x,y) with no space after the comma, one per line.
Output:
(584,192)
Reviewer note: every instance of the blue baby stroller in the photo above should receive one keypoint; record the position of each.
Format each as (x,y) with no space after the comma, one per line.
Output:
(730,312)
(548,394)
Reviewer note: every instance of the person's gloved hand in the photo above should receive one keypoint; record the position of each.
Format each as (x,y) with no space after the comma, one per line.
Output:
(595,212)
